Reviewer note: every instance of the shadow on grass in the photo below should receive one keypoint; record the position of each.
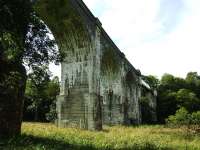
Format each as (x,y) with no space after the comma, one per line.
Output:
(28,142)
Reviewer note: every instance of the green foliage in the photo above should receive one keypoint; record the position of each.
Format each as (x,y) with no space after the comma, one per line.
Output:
(188,99)
(166,104)
(15,44)
(174,92)
(40,48)
(195,117)
(167,79)
(173,83)
(10,46)
(181,117)
(193,78)
(15,16)
(52,91)
(34,48)
(193,82)
(41,92)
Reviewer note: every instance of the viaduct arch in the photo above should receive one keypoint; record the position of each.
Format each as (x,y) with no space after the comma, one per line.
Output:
(98,84)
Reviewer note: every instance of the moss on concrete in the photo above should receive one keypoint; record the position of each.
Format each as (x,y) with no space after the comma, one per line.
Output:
(65,23)
(110,63)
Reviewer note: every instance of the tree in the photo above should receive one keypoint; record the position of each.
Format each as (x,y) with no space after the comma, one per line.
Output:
(16,49)
(40,97)
(36,94)
(170,82)
(167,79)
(166,104)
(174,92)
(13,26)
(193,78)
(184,118)
(193,82)
(181,117)
(52,91)
(188,99)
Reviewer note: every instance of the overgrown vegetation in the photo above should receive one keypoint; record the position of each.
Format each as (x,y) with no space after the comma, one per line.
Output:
(175,92)
(184,118)
(48,137)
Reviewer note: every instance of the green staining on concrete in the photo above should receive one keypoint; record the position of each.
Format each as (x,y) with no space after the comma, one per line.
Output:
(110,62)
(96,77)
(65,23)
(130,78)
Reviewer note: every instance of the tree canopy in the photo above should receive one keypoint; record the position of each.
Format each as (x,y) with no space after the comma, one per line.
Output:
(174,93)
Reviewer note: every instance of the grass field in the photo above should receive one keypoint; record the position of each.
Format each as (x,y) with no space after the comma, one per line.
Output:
(40,136)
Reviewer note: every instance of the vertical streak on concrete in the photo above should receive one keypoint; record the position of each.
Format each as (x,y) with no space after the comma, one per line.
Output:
(98,84)
(94,116)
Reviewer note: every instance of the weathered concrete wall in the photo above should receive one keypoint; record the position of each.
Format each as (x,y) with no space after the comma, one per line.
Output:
(120,89)
(80,79)
(76,34)
(98,84)
(149,97)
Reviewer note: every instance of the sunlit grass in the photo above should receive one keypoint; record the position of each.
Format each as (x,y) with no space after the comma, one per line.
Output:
(41,136)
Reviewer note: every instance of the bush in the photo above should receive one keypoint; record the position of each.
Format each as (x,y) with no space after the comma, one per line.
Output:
(183,118)
(195,118)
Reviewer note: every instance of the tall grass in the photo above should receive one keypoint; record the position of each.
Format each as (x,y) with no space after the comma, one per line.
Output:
(39,136)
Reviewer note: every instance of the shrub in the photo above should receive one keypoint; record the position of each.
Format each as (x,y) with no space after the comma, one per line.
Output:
(195,118)
(182,118)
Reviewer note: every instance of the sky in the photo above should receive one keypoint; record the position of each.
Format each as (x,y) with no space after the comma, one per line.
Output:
(157,36)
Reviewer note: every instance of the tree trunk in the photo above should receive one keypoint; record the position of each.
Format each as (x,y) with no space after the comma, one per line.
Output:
(12,89)
(36,113)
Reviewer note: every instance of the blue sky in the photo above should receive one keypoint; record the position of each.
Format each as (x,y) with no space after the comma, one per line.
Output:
(157,36)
